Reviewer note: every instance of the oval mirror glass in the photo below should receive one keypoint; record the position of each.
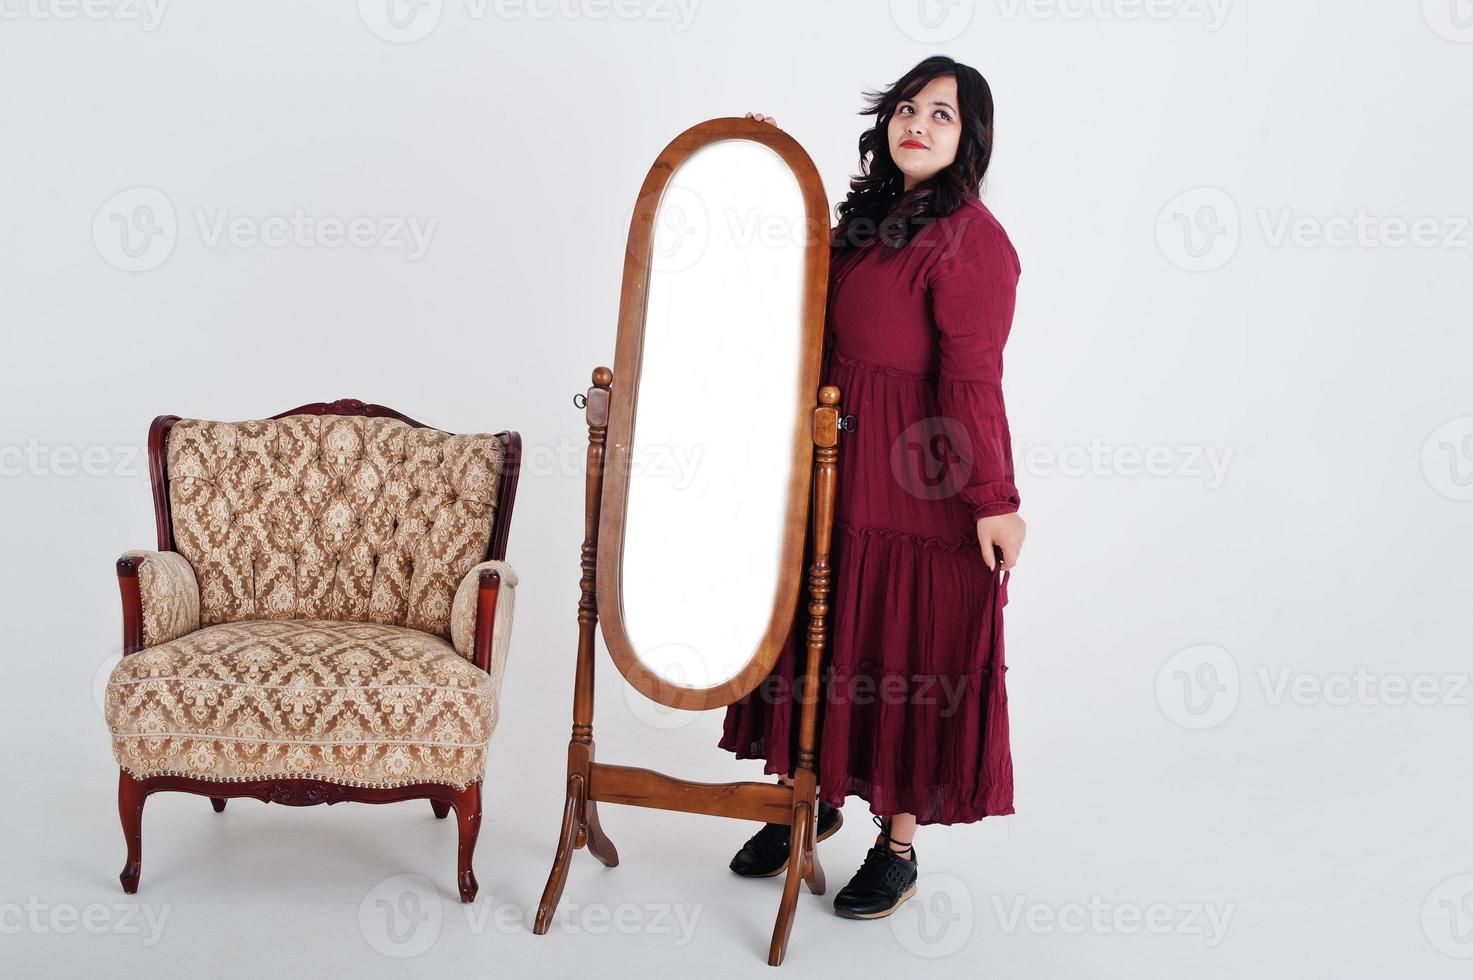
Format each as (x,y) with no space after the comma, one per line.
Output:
(711,456)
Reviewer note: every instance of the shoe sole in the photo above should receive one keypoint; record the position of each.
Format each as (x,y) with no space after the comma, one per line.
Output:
(839,822)
(881,914)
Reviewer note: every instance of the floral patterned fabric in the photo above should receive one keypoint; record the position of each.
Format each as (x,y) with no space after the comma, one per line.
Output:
(345,518)
(463,612)
(169,594)
(362,704)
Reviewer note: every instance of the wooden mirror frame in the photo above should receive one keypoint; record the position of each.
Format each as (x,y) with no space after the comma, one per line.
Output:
(628,360)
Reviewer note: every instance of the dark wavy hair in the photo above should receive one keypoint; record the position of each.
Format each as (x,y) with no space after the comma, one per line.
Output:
(878,208)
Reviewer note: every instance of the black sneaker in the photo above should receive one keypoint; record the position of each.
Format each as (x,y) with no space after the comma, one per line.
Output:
(766,853)
(881,884)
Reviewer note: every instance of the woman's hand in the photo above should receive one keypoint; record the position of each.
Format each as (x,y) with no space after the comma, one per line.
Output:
(761,118)
(1004,531)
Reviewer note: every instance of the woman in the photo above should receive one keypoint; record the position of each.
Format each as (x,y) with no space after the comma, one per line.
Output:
(913,714)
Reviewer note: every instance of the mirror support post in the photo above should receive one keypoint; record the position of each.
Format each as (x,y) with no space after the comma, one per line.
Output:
(803,863)
(580,824)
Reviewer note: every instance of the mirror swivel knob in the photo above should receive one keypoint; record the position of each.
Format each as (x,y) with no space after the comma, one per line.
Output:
(848,423)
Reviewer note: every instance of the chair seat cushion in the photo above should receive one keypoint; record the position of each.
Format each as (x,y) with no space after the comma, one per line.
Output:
(362,704)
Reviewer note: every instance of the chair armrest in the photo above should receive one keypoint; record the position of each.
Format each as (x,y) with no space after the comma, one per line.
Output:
(160,598)
(480,618)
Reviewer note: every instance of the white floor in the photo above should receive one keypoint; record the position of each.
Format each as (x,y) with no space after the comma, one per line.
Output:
(1279,842)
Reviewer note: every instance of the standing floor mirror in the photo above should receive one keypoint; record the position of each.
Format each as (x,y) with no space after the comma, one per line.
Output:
(695,577)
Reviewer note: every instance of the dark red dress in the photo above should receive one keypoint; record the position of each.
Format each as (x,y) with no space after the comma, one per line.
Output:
(913,708)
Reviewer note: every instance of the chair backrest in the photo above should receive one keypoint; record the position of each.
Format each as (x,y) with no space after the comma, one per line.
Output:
(323,516)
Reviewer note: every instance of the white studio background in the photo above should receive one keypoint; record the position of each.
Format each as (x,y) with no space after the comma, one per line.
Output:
(1239,381)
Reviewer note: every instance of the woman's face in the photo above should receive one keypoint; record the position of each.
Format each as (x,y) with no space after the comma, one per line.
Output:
(925,131)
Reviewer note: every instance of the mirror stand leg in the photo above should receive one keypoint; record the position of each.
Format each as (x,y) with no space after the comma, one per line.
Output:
(799,846)
(599,844)
(572,826)
(813,869)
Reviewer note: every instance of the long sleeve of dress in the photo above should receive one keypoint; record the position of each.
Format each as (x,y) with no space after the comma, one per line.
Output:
(973,286)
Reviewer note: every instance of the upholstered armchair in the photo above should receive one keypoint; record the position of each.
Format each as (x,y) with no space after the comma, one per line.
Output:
(326,618)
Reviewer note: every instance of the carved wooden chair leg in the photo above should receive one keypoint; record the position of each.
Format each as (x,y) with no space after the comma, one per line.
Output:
(218,802)
(467,804)
(798,843)
(441,808)
(131,795)
(567,841)
(599,844)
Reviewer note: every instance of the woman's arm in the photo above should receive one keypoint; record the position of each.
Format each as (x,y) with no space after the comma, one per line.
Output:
(973,287)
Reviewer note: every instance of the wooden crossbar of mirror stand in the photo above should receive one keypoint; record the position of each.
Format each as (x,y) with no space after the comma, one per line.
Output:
(590,783)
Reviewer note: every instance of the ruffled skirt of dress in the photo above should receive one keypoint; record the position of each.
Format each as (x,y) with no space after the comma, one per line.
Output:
(912,709)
